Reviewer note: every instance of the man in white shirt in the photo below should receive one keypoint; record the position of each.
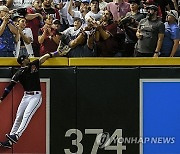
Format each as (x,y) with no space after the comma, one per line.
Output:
(21,3)
(75,7)
(95,12)
(82,11)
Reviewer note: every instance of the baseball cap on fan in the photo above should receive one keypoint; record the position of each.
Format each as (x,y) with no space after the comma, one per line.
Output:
(94,0)
(153,7)
(3,2)
(79,19)
(22,11)
(134,1)
(173,13)
(56,21)
(4,8)
(85,1)
(21,58)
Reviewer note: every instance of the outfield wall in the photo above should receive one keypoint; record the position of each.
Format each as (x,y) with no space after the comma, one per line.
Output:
(84,98)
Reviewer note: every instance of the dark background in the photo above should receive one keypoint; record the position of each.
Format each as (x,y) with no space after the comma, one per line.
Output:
(95,98)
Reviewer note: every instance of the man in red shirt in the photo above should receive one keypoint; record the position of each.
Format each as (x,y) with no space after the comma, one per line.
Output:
(35,22)
(49,37)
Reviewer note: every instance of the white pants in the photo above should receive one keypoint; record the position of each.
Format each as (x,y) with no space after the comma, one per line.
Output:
(28,106)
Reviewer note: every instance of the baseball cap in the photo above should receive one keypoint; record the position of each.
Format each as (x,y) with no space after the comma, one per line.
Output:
(15,16)
(4,8)
(85,1)
(134,1)
(173,13)
(150,2)
(153,7)
(21,58)
(94,0)
(35,1)
(22,11)
(79,19)
(56,21)
(3,2)
(77,0)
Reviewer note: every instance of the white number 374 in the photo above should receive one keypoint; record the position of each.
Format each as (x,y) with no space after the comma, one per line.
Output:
(103,140)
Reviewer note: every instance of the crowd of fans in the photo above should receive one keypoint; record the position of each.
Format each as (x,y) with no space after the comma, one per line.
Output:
(90,28)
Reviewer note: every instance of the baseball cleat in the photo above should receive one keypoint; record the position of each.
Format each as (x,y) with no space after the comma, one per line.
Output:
(6,144)
(12,138)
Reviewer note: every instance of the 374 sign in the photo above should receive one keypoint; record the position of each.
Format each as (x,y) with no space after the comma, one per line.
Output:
(103,140)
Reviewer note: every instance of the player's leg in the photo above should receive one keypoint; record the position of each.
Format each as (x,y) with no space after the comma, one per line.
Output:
(32,107)
(19,115)
(6,144)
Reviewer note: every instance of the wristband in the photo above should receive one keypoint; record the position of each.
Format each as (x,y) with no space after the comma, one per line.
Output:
(56,53)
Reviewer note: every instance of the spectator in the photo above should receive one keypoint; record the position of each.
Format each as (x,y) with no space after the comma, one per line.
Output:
(62,7)
(102,5)
(76,39)
(108,45)
(25,38)
(82,11)
(48,37)
(91,42)
(130,23)
(56,25)
(77,4)
(35,22)
(15,4)
(176,4)
(164,5)
(142,7)
(145,3)
(2,2)
(173,4)
(73,13)
(134,10)
(73,6)
(150,34)
(118,9)
(14,18)
(7,32)
(49,10)
(172,35)
(94,13)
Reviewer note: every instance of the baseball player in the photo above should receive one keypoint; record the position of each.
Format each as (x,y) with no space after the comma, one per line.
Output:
(28,76)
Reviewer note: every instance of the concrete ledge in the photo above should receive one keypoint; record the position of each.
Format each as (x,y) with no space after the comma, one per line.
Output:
(61,61)
(124,61)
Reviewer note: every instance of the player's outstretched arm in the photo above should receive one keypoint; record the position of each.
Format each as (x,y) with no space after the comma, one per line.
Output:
(44,58)
(47,56)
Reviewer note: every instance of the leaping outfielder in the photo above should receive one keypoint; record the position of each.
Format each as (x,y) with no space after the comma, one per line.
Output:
(28,76)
